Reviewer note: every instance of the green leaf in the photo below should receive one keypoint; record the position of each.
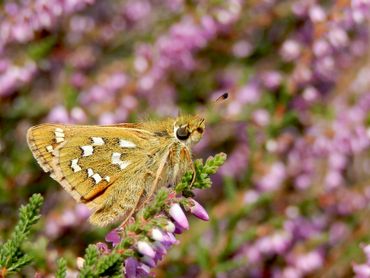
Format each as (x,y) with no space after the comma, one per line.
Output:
(12,257)
(62,268)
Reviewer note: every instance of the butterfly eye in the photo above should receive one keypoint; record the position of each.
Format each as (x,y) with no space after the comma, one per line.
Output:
(182,133)
(200,130)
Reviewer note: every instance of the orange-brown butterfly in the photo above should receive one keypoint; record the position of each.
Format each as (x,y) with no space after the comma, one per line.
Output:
(116,169)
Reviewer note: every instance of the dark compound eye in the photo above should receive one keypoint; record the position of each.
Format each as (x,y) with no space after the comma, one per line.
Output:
(182,133)
(200,130)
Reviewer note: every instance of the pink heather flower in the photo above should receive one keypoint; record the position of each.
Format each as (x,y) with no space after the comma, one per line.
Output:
(317,14)
(309,262)
(148,261)
(102,247)
(366,249)
(172,239)
(145,249)
(271,79)
(130,267)
(361,270)
(80,262)
(82,212)
(242,49)
(113,237)
(178,229)
(58,114)
(143,270)
(249,93)
(321,48)
(170,227)
(78,115)
(157,234)
(199,211)
(261,117)
(290,50)
(250,197)
(179,216)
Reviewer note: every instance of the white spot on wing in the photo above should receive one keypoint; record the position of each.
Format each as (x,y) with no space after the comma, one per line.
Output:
(97,141)
(97,178)
(124,164)
(59,134)
(90,172)
(107,178)
(126,144)
(87,150)
(116,159)
(49,148)
(75,167)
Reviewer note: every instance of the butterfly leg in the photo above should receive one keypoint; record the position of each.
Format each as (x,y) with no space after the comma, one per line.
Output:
(154,185)
(127,219)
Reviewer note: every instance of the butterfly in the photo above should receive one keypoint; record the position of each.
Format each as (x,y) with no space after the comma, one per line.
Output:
(116,169)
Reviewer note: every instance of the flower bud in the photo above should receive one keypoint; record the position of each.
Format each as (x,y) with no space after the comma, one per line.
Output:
(170,227)
(145,249)
(179,216)
(199,211)
(157,234)
(130,267)
(80,262)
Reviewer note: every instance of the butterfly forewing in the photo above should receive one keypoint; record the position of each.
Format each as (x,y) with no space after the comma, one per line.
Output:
(98,165)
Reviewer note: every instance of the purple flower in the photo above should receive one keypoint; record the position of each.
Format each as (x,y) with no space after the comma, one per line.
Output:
(170,227)
(143,270)
(271,79)
(131,265)
(102,247)
(290,50)
(242,49)
(179,216)
(148,261)
(113,237)
(157,234)
(145,248)
(199,211)
(361,270)
(58,114)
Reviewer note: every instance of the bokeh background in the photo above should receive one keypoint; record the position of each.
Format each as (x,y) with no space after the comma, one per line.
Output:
(291,200)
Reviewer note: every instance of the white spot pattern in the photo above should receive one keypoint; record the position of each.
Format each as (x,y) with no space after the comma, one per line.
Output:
(75,167)
(97,141)
(97,178)
(126,144)
(116,159)
(59,135)
(90,172)
(87,150)
(49,148)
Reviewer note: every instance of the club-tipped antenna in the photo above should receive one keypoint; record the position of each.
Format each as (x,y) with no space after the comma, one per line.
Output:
(222,97)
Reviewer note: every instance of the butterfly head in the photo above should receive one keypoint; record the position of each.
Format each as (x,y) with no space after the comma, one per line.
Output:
(189,129)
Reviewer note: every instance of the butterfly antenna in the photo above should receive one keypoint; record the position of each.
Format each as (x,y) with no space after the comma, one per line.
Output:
(223,97)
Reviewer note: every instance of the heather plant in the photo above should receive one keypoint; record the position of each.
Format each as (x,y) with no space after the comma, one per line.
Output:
(291,200)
